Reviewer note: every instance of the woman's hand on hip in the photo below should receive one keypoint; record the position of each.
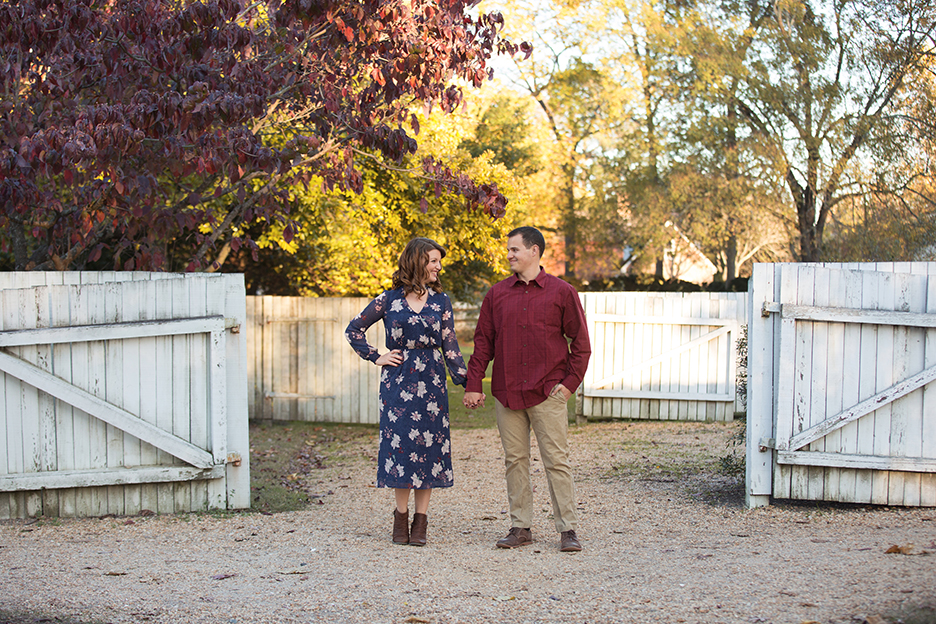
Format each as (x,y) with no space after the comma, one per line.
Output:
(390,358)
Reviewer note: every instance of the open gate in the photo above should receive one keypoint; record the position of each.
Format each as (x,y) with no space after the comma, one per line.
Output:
(122,393)
(841,399)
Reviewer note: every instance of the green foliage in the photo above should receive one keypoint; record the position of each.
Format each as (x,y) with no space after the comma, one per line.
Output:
(504,130)
(347,244)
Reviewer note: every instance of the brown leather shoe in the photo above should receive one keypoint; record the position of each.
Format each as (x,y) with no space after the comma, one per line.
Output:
(568,542)
(515,538)
(417,535)
(401,527)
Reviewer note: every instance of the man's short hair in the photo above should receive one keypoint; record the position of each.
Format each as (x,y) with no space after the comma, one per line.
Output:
(531,236)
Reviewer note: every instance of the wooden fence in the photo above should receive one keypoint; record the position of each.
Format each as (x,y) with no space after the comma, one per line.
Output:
(301,367)
(663,356)
(122,392)
(841,390)
(655,355)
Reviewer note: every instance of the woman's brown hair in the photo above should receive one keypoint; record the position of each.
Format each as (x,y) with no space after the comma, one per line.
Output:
(412,266)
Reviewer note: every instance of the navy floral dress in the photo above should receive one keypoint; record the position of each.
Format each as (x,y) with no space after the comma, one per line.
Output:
(415,443)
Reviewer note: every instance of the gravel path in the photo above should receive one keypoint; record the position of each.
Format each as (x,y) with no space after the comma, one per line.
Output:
(661,546)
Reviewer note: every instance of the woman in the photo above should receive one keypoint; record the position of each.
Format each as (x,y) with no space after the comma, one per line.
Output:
(415,446)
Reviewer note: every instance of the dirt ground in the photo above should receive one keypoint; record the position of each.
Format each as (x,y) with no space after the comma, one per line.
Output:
(666,535)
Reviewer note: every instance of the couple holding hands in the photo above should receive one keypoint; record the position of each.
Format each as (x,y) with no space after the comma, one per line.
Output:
(532,326)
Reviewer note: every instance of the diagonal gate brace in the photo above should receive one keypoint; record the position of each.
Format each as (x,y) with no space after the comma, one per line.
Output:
(109,413)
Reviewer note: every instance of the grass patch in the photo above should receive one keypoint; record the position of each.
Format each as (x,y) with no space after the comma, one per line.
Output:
(286,460)
(460,416)
(691,458)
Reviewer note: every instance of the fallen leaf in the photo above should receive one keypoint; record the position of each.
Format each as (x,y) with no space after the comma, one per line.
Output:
(115,574)
(504,598)
(905,549)
(416,620)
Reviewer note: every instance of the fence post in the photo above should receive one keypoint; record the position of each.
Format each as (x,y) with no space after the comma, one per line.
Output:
(759,454)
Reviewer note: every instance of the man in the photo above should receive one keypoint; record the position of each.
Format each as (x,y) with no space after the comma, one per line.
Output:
(532,326)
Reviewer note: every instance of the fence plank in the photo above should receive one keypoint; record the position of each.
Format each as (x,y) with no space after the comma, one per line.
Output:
(132,308)
(928,426)
(760,387)
(887,359)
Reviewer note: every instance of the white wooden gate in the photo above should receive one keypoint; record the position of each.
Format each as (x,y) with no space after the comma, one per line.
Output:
(841,399)
(300,365)
(122,392)
(667,356)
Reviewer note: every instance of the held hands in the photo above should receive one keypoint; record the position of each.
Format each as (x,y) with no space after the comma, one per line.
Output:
(390,358)
(473,400)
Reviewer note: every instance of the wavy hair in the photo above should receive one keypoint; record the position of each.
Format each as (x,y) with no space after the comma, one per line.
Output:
(412,273)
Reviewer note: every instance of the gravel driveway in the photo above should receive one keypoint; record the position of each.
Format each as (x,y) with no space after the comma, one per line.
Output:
(666,540)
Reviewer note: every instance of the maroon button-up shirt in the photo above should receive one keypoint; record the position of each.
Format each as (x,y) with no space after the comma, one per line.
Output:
(536,334)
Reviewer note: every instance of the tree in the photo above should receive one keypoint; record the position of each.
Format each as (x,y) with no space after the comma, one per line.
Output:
(824,88)
(348,243)
(129,126)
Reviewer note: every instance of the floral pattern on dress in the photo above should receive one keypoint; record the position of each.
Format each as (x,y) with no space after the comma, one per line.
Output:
(415,440)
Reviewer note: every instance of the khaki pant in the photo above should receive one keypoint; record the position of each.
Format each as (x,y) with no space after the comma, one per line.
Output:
(550,422)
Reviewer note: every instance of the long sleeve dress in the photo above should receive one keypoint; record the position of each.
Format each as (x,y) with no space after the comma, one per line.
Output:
(415,442)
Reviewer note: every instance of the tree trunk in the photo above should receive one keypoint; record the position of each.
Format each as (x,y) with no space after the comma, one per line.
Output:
(569,222)
(731,259)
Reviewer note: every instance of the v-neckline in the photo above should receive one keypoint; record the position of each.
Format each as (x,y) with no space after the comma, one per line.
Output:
(410,306)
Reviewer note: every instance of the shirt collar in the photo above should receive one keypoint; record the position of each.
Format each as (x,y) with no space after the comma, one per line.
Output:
(538,280)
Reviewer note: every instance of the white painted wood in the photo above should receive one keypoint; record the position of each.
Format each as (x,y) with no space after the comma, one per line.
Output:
(928,426)
(879,400)
(106,477)
(662,355)
(870,462)
(112,396)
(111,331)
(845,439)
(150,351)
(113,371)
(132,306)
(762,332)
(104,411)
(237,474)
(845,315)
(851,374)
(884,377)
(305,369)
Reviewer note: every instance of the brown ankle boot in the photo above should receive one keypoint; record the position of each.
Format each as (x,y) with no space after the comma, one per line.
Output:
(418,532)
(401,527)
